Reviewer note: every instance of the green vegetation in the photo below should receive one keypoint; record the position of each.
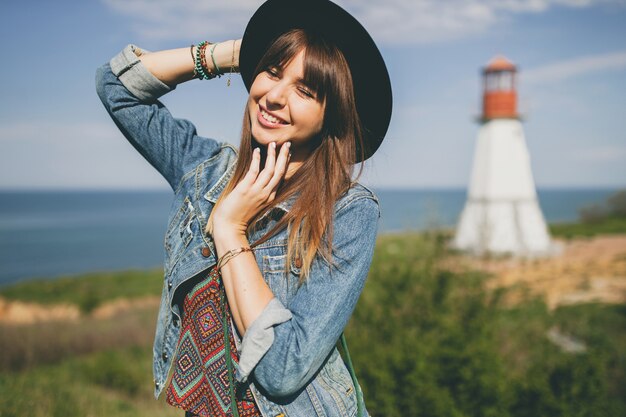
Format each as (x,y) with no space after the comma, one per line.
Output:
(87,291)
(445,347)
(108,383)
(609,225)
(427,340)
(607,218)
(24,347)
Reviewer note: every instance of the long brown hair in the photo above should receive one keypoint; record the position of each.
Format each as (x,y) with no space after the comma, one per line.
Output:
(328,170)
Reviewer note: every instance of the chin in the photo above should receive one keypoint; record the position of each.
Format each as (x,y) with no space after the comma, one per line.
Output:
(264,138)
(261,140)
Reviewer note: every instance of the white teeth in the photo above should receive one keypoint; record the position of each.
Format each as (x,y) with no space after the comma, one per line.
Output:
(269,117)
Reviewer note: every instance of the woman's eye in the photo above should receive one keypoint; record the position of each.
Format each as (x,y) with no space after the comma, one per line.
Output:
(307,92)
(272,72)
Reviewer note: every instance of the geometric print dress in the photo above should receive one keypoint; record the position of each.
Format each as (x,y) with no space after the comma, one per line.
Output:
(200,382)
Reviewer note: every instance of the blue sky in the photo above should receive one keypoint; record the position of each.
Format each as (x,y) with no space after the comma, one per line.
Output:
(571,56)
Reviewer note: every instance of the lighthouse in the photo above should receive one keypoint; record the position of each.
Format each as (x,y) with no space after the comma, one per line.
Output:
(501,214)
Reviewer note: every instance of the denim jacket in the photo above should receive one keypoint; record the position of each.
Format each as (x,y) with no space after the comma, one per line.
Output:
(288,354)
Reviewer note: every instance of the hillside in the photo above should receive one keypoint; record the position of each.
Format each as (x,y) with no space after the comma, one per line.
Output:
(455,336)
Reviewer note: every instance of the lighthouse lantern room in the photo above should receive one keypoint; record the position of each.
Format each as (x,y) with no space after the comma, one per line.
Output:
(501,214)
(499,93)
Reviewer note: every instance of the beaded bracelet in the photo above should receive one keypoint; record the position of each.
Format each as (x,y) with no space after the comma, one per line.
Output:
(200,62)
(205,67)
(230,255)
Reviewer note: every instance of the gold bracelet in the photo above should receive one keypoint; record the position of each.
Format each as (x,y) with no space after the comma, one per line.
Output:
(230,255)
(232,66)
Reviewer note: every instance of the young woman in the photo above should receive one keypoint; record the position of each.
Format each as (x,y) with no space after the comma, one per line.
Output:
(282,216)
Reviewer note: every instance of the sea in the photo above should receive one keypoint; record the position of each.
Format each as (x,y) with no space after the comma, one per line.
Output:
(48,234)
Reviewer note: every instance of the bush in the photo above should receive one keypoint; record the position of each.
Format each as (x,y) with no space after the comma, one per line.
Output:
(617,204)
(435,357)
(110,369)
(447,347)
(592,214)
(614,207)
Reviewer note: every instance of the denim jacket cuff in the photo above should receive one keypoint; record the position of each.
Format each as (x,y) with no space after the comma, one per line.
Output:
(259,337)
(135,76)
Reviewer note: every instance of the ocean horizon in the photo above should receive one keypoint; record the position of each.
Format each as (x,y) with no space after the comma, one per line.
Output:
(51,233)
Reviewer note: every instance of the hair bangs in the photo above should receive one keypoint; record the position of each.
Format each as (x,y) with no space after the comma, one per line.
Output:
(318,69)
(320,60)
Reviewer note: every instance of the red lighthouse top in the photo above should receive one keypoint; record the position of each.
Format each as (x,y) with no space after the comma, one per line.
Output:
(499,94)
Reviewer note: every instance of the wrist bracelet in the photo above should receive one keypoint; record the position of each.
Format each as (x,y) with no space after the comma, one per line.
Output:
(193,58)
(200,62)
(218,71)
(232,66)
(230,255)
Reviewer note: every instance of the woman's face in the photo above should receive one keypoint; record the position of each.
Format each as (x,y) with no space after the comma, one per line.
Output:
(282,108)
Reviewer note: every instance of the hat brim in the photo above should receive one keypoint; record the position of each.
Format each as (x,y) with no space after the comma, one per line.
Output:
(372,86)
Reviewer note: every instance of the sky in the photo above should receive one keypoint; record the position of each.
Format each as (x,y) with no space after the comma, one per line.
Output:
(570,54)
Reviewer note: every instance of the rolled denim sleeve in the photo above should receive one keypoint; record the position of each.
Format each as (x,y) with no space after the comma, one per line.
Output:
(259,337)
(130,95)
(133,74)
(323,305)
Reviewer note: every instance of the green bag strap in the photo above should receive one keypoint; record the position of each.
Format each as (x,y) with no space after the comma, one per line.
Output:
(357,388)
(229,359)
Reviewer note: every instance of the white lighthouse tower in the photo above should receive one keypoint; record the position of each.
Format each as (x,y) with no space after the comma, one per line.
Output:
(501,214)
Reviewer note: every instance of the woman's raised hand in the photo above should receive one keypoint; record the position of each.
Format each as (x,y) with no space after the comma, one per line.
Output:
(253,192)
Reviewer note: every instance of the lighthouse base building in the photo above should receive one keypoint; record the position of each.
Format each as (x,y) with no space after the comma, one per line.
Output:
(502,213)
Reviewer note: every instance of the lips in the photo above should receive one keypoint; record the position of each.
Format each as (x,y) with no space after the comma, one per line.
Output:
(269,119)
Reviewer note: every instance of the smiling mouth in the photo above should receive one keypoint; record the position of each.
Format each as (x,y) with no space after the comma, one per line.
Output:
(264,116)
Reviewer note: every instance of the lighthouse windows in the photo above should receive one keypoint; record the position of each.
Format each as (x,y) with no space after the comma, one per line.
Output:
(499,81)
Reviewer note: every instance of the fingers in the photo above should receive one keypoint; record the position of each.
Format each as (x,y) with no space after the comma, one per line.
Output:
(274,188)
(265,182)
(280,168)
(253,171)
(268,170)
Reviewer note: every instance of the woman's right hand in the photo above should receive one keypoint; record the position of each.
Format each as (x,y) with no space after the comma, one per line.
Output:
(252,193)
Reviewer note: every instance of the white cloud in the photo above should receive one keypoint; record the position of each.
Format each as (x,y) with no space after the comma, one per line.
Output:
(185,19)
(558,71)
(390,21)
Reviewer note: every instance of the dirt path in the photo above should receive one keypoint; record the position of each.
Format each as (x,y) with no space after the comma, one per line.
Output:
(20,312)
(587,270)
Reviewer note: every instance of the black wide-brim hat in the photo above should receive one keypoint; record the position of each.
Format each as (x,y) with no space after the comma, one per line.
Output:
(372,86)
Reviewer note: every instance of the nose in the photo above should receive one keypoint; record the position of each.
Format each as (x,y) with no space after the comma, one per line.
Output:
(277,96)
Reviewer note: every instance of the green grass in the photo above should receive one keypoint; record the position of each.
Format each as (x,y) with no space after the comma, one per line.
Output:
(87,291)
(108,383)
(609,225)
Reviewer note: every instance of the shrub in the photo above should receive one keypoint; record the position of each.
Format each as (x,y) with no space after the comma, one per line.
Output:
(445,346)
(617,204)
(111,369)
(592,214)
